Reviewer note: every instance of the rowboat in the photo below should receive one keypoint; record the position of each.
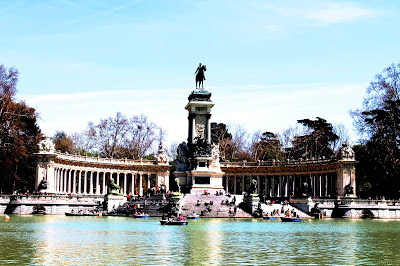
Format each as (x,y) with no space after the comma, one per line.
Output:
(141,216)
(270,218)
(193,217)
(173,222)
(290,219)
(81,214)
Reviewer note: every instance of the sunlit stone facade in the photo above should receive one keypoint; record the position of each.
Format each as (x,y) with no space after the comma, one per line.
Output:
(67,173)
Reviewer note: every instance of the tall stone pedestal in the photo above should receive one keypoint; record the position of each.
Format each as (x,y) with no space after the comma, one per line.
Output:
(113,201)
(346,176)
(198,161)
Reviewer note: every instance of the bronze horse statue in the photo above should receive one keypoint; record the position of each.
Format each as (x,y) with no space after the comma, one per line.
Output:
(200,75)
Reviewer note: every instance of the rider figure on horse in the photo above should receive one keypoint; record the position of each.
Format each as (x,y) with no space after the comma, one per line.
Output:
(200,74)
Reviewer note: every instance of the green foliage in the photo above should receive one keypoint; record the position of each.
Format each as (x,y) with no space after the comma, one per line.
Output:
(150,157)
(317,143)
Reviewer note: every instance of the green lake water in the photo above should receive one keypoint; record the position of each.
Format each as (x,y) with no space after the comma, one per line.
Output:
(57,240)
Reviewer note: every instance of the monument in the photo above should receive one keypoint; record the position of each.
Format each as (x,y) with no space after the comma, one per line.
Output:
(114,197)
(346,176)
(44,182)
(198,166)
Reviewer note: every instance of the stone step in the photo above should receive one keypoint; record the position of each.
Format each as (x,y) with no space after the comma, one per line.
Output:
(271,207)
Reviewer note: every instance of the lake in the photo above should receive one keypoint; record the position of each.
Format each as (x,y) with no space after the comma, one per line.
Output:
(44,240)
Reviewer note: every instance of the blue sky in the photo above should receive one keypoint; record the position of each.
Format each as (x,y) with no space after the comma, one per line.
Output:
(269,63)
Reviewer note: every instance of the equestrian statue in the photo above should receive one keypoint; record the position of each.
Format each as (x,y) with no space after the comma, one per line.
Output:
(200,75)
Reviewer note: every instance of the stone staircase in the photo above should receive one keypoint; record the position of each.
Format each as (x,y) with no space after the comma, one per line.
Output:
(271,207)
(211,206)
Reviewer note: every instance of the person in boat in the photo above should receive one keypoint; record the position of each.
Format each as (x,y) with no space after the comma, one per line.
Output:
(194,214)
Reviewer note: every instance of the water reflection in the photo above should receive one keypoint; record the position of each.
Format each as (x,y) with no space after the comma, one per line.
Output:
(115,240)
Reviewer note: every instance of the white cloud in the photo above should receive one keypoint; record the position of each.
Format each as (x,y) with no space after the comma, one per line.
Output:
(337,13)
(256,107)
(326,13)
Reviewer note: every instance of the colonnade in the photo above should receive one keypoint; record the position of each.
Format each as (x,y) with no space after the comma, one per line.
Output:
(316,185)
(94,181)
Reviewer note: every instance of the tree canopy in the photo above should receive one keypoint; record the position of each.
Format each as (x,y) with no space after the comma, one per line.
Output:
(378,122)
(317,143)
(19,135)
(113,137)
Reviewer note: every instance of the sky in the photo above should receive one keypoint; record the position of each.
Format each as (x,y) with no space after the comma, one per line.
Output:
(269,63)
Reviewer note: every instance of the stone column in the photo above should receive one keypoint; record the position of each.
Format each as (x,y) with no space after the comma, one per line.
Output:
(227,184)
(56,180)
(133,184)
(208,116)
(192,127)
(266,186)
(148,180)
(64,180)
(70,181)
(313,185)
(320,186)
(125,190)
(85,182)
(79,182)
(326,185)
(118,178)
(235,185)
(157,177)
(293,186)
(60,180)
(74,182)
(91,182)
(287,186)
(104,183)
(280,187)
(97,187)
(273,186)
(140,184)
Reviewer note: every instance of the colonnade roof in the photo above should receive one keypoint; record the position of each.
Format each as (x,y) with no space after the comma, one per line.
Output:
(281,167)
(109,163)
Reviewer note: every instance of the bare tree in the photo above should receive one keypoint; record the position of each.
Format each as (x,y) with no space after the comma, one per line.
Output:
(287,137)
(238,147)
(256,146)
(341,131)
(172,152)
(141,136)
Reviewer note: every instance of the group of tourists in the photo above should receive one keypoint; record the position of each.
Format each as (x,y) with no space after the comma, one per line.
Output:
(233,210)
(227,202)
(172,218)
